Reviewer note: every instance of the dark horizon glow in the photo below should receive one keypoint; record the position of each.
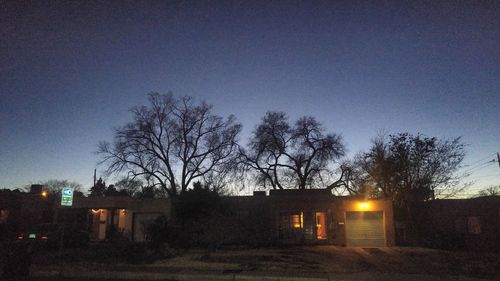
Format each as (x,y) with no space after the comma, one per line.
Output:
(69,73)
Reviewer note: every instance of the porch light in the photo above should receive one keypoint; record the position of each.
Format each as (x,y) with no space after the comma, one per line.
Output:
(44,194)
(95,211)
(363,206)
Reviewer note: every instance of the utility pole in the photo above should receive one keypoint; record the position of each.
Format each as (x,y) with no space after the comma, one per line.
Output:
(95,170)
(498,159)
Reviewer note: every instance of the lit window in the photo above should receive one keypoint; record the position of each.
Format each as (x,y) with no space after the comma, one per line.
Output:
(297,220)
(4,214)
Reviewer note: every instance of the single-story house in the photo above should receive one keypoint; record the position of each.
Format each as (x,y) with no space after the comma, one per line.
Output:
(21,210)
(462,224)
(283,216)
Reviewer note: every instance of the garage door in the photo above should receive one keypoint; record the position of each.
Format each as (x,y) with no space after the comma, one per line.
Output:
(365,229)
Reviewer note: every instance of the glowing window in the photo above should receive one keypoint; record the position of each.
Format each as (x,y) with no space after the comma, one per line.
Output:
(4,214)
(297,220)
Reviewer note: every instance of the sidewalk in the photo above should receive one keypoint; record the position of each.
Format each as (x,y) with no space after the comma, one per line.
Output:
(177,274)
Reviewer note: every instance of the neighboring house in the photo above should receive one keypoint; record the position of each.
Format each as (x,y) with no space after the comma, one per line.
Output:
(462,224)
(23,210)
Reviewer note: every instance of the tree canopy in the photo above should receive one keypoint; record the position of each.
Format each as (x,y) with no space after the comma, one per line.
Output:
(409,168)
(285,155)
(172,142)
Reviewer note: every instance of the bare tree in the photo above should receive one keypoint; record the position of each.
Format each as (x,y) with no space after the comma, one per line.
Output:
(131,187)
(285,156)
(172,142)
(410,168)
(138,188)
(490,191)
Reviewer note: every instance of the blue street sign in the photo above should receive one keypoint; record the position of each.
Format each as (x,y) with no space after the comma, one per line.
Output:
(68,191)
(67,196)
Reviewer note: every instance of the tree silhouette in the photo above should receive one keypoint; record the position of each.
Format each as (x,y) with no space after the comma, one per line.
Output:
(137,188)
(55,187)
(286,156)
(490,191)
(409,168)
(99,189)
(172,142)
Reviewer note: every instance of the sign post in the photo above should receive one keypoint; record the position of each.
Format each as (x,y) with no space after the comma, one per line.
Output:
(67,196)
(66,200)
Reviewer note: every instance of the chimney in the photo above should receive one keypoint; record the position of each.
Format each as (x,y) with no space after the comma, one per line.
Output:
(259,193)
(36,189)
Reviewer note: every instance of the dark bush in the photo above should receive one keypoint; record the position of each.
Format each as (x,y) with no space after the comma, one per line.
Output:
(17,261)
(198,214)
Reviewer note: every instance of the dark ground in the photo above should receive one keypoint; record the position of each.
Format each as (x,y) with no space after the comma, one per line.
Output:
(133,262)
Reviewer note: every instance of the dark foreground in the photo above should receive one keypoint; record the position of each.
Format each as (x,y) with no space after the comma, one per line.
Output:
(315,263)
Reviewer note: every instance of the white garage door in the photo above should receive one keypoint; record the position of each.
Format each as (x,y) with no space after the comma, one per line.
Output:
(365,229)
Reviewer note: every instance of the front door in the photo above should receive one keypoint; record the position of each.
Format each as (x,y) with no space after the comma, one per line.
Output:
(321,226)
(103,215)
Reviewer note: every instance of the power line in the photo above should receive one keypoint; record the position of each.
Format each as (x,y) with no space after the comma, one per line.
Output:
(486,176)
(482,159)
(481,166)
(470,167)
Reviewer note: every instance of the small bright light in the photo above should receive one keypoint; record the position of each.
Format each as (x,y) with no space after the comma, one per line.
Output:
(363,205)
(44,193)
(95,211)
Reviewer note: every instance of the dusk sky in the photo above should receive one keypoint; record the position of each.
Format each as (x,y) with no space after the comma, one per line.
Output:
(69,72)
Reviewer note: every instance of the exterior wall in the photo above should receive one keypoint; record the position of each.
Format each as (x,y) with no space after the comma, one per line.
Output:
(109,215)
(305,203)
(308,202)
(462,224)
(20,211)
(252,220)
(257,219)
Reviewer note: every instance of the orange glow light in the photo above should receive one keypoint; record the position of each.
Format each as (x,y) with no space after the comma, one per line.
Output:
(44,193)
(364,206)
(95,211)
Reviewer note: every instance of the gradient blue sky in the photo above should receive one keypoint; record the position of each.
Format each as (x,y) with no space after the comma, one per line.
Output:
(70,71)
